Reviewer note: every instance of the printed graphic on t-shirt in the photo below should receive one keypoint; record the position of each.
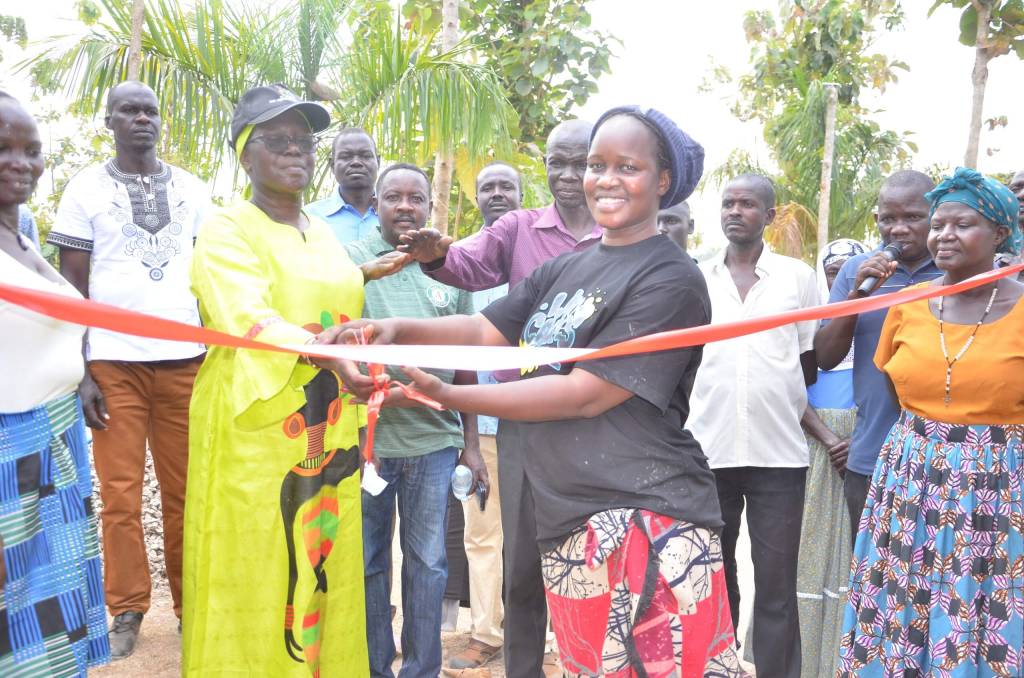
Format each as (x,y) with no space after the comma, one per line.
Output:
(555,322)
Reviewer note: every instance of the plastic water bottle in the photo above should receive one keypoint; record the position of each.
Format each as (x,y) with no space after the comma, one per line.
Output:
(462,482)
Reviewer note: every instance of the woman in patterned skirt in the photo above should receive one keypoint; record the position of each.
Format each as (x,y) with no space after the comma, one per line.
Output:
(52,619)
(937,587)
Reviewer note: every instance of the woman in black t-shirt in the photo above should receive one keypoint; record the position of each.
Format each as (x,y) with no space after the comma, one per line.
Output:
(627,513)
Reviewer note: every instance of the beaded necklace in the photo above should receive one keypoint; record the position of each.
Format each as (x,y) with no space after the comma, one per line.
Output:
(967,345)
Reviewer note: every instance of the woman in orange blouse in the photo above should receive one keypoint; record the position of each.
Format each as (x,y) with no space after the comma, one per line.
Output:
(938,581)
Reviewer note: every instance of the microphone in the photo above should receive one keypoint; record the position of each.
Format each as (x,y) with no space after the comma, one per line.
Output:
(893,251)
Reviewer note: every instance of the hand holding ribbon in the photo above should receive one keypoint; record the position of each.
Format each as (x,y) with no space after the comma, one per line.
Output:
(382,389)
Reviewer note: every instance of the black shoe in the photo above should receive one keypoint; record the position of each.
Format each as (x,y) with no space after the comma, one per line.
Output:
(123,634)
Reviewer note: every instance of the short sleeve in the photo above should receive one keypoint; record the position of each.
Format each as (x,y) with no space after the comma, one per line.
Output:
(843,282)
(667,299)
(510,313)
(356,253)
(810,297)
(887,339)
(72,226)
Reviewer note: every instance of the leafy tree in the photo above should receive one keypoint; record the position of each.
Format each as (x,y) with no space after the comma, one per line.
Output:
(546,53)
(13,29)
(793,54)
(548,59)
(993,28)
(199,61)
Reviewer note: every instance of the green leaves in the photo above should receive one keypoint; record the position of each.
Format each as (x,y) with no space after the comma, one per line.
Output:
(969,26)
(545,53)
(809,44)
(1005,29)
(201,61)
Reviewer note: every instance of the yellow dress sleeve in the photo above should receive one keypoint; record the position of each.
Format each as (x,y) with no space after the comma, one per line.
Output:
(233,286)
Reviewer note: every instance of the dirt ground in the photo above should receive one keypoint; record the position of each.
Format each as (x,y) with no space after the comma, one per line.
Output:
(158,653)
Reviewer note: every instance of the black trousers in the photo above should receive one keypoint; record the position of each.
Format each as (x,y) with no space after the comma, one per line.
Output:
(526,611)
(855,489)
(775,501)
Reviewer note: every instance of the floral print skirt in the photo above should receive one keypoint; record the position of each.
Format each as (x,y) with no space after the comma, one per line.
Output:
(635,593)
(937,586)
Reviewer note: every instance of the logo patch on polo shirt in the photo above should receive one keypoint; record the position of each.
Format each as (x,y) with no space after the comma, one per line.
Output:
(440,296)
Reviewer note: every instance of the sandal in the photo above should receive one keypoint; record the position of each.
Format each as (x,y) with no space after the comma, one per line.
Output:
(476,654)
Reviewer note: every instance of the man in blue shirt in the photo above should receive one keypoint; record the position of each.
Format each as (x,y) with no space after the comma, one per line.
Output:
(349,209)
(902,217)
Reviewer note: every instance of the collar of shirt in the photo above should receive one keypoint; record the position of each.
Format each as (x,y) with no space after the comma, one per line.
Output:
(335,204)
(552,219)
(376,243)
(766,262)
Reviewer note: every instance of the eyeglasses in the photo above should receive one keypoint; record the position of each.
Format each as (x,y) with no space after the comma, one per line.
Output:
(279,143)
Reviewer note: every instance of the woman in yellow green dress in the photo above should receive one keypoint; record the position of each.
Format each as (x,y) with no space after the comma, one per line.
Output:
(273,577)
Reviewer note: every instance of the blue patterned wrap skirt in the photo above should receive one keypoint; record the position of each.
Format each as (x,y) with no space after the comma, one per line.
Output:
(937,581)
(52,616)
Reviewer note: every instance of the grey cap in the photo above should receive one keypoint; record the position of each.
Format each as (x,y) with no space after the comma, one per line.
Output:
(266,102)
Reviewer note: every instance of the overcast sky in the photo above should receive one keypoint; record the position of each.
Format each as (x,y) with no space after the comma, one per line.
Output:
(667,51)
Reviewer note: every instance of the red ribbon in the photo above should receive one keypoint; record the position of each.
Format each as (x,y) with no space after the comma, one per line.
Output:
(705,334)
(382,384)
(95,314)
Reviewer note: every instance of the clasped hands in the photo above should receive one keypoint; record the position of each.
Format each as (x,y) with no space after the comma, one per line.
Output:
(363,385)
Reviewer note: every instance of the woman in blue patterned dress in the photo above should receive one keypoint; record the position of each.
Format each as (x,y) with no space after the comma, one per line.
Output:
(937,587)
(52,619)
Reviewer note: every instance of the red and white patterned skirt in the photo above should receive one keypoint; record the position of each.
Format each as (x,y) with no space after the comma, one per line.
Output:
(633,592)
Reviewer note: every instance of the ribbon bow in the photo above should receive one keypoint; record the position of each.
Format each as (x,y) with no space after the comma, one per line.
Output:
(382,384)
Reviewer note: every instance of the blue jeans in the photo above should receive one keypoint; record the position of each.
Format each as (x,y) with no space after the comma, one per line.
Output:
(421,487)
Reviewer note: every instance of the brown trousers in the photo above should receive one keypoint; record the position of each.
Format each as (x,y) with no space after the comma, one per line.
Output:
(146,402)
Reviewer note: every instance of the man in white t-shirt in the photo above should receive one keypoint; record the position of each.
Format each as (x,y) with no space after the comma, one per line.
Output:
(748,400)
(125,230)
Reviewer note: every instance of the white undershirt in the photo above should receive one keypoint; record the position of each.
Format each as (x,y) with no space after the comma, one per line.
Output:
(40,358)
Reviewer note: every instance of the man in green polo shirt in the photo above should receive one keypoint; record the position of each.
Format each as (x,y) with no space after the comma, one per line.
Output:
(416,448)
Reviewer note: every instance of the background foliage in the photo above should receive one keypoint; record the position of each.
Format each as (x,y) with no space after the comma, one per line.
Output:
(794,52)
(374,67)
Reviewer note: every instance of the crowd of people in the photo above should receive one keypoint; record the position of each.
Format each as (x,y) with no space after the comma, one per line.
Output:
(877,455)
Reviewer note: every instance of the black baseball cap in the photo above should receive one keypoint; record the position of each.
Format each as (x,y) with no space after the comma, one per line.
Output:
(266,102)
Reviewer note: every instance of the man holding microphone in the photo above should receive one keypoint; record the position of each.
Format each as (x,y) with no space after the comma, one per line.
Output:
(902,219)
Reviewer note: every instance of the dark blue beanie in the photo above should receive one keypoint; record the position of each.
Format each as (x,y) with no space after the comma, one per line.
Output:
(685,155)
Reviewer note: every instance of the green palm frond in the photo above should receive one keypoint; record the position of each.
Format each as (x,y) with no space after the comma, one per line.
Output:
(199,62)
(416,102)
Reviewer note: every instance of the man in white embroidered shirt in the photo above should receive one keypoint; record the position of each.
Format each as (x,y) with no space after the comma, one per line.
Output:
(125,230)
(747,403)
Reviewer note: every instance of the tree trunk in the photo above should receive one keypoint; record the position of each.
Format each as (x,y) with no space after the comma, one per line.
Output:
(135,44)
(444,163)
(979,77)
(825,192)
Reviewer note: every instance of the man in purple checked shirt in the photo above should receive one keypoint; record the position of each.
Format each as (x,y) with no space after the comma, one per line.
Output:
(506,252)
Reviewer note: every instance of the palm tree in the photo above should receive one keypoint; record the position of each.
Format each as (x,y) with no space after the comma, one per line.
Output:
(408,94)
(864,156)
